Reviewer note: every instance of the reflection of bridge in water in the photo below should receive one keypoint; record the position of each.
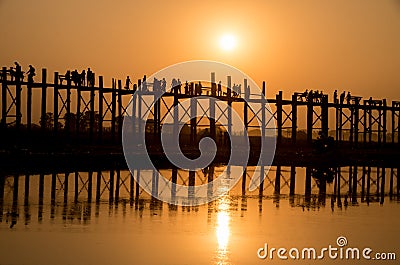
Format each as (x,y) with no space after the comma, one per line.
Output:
(96,110)
(73,195)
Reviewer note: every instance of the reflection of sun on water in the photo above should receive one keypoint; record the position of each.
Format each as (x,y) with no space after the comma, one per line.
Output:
(223,229)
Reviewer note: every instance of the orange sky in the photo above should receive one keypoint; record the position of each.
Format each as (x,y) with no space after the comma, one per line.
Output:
(293,45)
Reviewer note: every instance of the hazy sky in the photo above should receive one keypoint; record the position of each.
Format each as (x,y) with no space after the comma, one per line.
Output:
(293,45)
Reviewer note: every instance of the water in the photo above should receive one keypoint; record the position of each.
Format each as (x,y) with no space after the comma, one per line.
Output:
(55,223)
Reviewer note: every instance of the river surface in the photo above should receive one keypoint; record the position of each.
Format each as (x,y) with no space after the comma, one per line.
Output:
(45,221)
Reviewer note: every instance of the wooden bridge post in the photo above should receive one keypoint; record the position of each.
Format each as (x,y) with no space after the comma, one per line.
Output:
(262,177)
(245,107)
(368,183)
(370,112)
(92,113)
(113,109)
(212,107)
(4,98)
(229,96)
(210,178)
(365,123)
(380,113)
(350,179)
(176,111)
(68,108)
(55,103)
(66,187)
(111,188)
(393,121)
(398,181)
(244,178)
(120,114)
(154,184)
(78,110)
(174,179)
(310,115)
(364,172)
(131,188)
(192,184)
(41,189)
(98,185)
(18,80)
(139,108)
(325,115)
(382,199)
(391,182)
(294,118)
(44,99)
(356,121)
(263,118)
(137,188)
(117,186)
(53,187)
(156,111)
(308,182)
(384,125)
(100,125)
(279,111)
(338,185)
(355,182)
(292,180)
(398,125)
(337,119)
(29,106)
(2,181)
(193,121)
(90,186)
(26,196)
(76,184)
(278,181)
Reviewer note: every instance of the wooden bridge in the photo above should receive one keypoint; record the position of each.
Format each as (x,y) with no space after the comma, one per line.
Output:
(97,111)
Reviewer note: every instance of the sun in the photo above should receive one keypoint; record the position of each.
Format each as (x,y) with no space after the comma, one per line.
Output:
(227,42)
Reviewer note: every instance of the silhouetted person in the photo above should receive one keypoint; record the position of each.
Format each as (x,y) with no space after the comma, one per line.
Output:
(163,85)
(348,97)
(191,89)
(90,77)
(76,78)
(342,97)
(174,85)
(31,73)
(156,84)
(179,86)
(186,88)
(83,77)
(219,89)
(335,97)
(200,87)
(310,95)
(19,76)
(127,82)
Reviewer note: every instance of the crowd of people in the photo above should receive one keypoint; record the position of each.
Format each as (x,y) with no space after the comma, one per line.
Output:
(309,95)
(342,97)
(85,78)
(16,73)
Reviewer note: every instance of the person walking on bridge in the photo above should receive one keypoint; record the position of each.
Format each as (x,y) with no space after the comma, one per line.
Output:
(127,82)
(31,73)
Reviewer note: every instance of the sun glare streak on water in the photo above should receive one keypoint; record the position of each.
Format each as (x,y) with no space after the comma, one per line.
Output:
(223,230)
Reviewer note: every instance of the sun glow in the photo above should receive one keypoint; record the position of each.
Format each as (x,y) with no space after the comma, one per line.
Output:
(227,42)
